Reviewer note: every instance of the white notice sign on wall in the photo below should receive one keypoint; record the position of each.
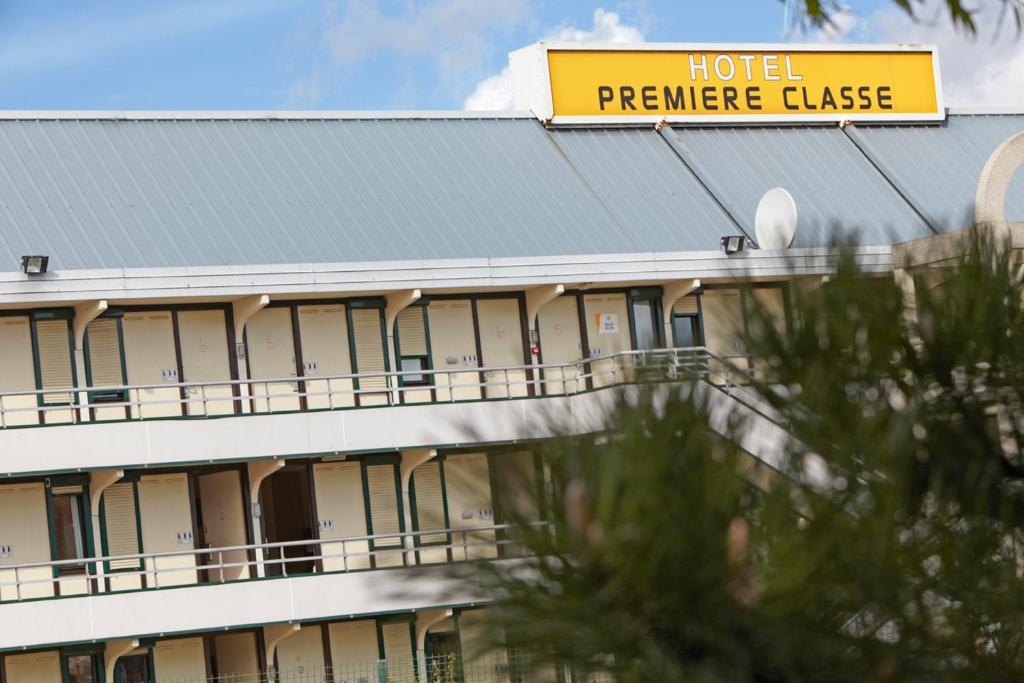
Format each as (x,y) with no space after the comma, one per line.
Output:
(608,323)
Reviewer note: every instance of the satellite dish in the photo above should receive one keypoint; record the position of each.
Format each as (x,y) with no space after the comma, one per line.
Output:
(775,220)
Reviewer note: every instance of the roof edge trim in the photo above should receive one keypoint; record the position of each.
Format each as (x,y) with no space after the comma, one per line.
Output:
(243,115)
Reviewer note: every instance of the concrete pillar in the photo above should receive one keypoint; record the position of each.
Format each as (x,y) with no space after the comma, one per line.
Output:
(113,651)
(241,311)
(259,470)
(671,292)
(537,298)
(99,481)
(396,303)
(85,313)
(424,620)
(272,635)
(411,459)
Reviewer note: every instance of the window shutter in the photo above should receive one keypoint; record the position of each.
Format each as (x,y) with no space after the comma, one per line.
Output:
(105,369)
(380,480)
(121,524)
(397,641)
(686,306)
(412,332)
(54,359)
(429,501)
(369,346)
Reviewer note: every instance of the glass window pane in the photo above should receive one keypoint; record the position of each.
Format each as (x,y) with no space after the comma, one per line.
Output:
(412,365)
(682,326)
(67,522)
(643,318)
(80,669)
(133,669)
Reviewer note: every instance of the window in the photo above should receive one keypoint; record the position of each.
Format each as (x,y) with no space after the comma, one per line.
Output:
(81,668)
(54,366)
(104,360)
(686,323)
(134,669)
(412,345)
(645,324)
(69,530)
(413,369)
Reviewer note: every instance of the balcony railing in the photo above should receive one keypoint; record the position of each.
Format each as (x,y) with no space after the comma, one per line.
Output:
(511,666)
(155,570)
(63,405)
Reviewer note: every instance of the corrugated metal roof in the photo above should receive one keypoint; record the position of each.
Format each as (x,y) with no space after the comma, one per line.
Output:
(831,181)
(105,194)
(113,192)
(938,166)
(643,183)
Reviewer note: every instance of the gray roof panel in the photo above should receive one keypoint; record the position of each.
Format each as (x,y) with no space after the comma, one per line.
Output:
(836,188)
(939,166)
(110,194)
(642,182)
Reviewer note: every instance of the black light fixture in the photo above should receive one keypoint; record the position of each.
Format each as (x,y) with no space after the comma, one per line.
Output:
(34,265)
(733,243)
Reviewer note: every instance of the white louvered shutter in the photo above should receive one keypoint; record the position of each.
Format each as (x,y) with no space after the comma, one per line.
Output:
(429,501)
(397,641)
(685,306)
(412,331)
(121,524)
(105,368)
(380,480)
(54,359)
(369,346)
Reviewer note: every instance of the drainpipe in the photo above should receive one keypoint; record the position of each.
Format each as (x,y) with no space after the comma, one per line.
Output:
(396,303)
(85,313)
(113,651)
(411,459)
(258,471)
(424,620)
(99,481)
(241,311)
(537,298)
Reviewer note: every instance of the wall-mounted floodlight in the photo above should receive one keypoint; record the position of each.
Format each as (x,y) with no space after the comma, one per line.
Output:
(733,243)
(34,265)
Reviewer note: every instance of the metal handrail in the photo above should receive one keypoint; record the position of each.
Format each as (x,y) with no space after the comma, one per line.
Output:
(154,570)
(689,361)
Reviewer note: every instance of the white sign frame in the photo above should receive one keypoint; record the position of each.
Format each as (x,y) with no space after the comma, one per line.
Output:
(531,80)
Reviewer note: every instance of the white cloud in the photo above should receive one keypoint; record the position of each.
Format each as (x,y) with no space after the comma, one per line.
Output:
(986,70)
(976,71)
(455,37)
(495,92)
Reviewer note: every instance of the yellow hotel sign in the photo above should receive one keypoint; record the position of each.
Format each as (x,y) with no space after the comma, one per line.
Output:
(589,83)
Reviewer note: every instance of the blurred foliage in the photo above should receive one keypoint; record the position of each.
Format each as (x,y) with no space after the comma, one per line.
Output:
(822,13)
(885,547)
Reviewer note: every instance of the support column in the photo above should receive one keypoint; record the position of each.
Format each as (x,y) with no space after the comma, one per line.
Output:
(113,651)
(272,635)
(259,470)
(241,311)
(424,620)
(411,459)
(671,292)
(99,481)
(537,298)
(85,313)
(396,302)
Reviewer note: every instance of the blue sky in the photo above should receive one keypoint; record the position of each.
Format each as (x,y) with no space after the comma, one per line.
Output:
(380,54)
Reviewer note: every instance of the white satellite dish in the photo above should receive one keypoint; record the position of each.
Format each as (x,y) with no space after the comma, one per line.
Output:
(775,220)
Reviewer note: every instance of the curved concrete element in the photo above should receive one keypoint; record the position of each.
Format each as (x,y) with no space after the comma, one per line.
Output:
(989,202)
